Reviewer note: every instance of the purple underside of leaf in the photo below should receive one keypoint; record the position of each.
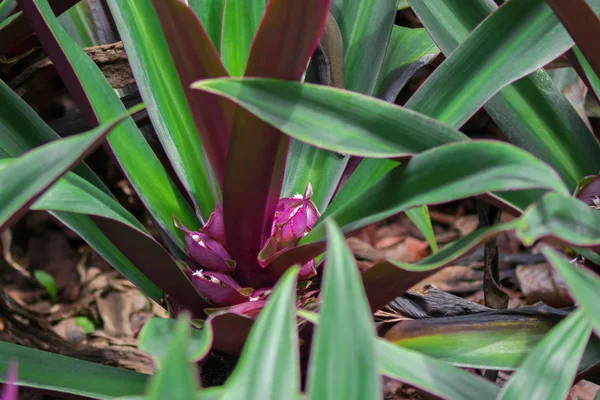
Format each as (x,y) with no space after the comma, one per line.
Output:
(196,58)
(155,262)
(590,192)
(384,282)
(218,293)
(59,59)
(230,332)
(583,25)
(11,390)
(19,29)
(286,39)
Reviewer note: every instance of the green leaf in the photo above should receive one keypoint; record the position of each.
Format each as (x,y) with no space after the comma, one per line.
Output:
(548,373)
(531,113)
(444,174)
(594,81)
(7,7)
(488,340)
(43,370)
(433,376)
(158,333)
(335,119)
(366,26)
(583,285)
(141,166)
(163,94)
(407,46)
(22,129)
(48,282)
(210,13)
(420,217)
(269,365)
(343,362)
(27,177)
(505,47)
(178,376)
(241,20)
(86,324)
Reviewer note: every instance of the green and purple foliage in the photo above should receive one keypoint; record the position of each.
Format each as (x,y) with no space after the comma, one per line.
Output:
(272,117)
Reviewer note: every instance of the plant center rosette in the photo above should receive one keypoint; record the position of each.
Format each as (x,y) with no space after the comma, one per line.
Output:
(217,277)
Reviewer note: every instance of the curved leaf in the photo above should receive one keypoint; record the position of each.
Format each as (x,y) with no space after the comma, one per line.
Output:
(343,364)
(366,26)
(335,119)
(444,174)
(163,93)
(583,284)
(269,365)
(27,177)
(98,101)
(531,112)
(178,376)
(40,369)
(241,20)
(548,372)
(210,13)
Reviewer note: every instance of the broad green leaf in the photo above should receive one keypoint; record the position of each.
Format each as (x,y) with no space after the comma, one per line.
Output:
(241,20)
(403,4)
(74,194)
(27,177)
(141,166)
(210,13)
(43,370)
(531,113)
(594,81)
(366,26)
(583,285)
(157,333)
(7,7)
(548,373)
(335,119)
(433,376)
(505,47)
(178,376)
(79,25)
(443,174)
(407,46)
(22,129)
(163,94)
(343,362)
(269,365)
(420,217)
(490,340)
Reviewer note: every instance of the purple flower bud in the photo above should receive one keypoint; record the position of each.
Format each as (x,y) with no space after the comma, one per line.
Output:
(206,251)
(294,218)
(215,226)
(220,289)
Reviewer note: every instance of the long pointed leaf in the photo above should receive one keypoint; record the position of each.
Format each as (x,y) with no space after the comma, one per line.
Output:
(366,26)
(241,21)
(583,284)
(98,102)
(196,58)
(40,369)
(164,95)
(344,361)
(256,158)
(27,177)
(210,13)
(320,117)
(531,113)
(436,176)
(269,365)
